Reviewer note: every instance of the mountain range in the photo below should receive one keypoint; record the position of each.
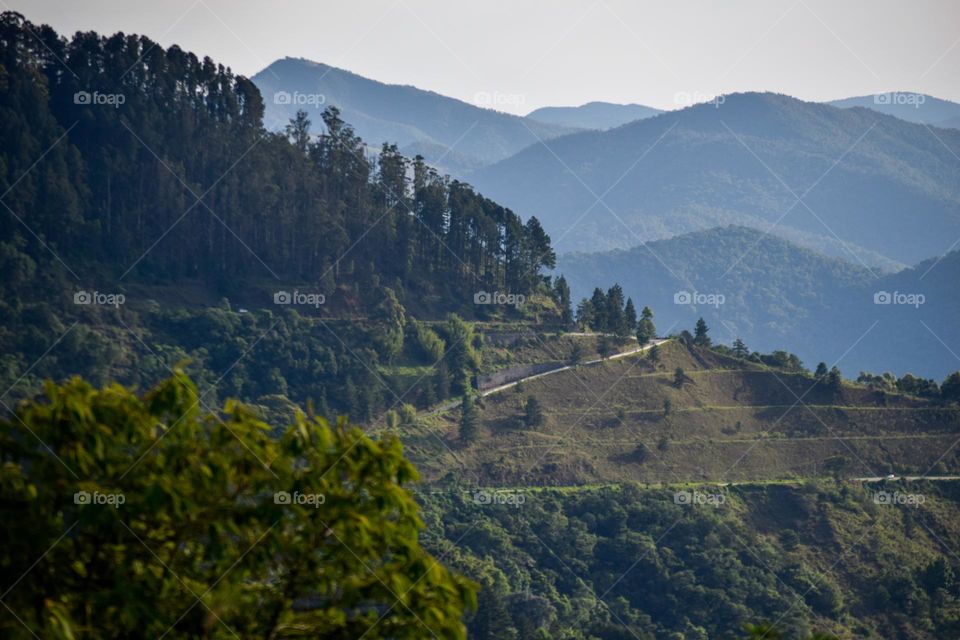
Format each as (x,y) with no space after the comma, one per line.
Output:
(868,187)
(593,115)
(451,134)
(775,294)
(824,200)
(912,107)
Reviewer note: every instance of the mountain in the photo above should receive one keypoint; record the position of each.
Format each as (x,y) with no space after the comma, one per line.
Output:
(952,123)
(870,183)
(912,107)
(777,295)
(452,134)
(593,115)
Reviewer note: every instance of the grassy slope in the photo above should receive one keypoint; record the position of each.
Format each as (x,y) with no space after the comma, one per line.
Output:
(732,421)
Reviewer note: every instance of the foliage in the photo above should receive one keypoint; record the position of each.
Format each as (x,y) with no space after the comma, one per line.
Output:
(152,516)
(532,413)
(295,207)
(624,561)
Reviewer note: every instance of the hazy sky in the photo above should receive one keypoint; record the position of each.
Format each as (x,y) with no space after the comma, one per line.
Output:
(532,53)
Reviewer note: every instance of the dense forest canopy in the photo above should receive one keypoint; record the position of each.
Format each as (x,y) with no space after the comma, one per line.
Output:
(156,166)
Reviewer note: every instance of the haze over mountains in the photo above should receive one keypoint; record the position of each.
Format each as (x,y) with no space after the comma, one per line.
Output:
(884,188)
(593,115)
(778,295)
(449,133)
(873,181)
(794,210)
(912,107)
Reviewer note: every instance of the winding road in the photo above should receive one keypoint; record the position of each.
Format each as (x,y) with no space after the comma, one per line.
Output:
(447,406)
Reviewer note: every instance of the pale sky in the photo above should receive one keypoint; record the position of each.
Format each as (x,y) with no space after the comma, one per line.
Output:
(533,53)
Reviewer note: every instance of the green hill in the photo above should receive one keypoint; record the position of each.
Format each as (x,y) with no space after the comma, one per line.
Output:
(779,295)
(634,562)
(730,420)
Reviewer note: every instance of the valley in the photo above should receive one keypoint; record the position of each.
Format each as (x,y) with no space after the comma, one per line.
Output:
(308,354)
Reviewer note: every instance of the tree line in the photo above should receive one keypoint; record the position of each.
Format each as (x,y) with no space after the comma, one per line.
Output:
(156,166)
(608,312)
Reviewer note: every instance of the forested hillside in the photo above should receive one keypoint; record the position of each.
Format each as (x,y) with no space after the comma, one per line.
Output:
(777,295)
(231,347)
(150,219)
(157,167)
(630,562)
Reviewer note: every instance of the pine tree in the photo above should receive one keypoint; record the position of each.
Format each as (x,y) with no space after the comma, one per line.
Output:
(679,377)
(599,303)
(950,389)
(740,349)
(630,317)
(298,131)
(576,354)
(654,355)
(646,331)
(469,420)
(834,379)
(821,373)
(562,296)
(585,315)
(615,319)
(700,337)
(532,413)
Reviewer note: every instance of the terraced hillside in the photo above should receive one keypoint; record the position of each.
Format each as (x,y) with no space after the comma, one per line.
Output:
(728,420)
